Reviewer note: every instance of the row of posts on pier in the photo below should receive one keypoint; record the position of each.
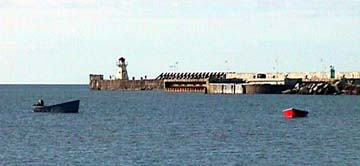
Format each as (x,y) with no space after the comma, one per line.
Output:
(133,78)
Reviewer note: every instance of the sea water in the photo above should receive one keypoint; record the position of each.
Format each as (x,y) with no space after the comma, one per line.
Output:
(158,128)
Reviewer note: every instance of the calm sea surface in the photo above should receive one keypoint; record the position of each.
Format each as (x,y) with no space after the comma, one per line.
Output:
(157,128)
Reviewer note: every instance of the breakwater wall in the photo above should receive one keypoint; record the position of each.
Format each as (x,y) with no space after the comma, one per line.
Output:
(306,76)
(98,83)
(226,83)
(265,88)
(229,82)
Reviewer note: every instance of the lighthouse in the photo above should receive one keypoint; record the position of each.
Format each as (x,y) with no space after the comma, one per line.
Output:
(122,72)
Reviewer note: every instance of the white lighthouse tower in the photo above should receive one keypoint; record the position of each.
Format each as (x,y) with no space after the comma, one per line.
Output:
(122,72)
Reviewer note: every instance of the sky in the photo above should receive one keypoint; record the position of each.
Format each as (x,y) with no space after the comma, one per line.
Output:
(63,41)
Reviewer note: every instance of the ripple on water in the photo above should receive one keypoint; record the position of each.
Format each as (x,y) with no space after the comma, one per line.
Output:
(156,128)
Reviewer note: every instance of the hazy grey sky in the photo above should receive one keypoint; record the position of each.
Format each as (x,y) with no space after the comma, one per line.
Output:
(53,41)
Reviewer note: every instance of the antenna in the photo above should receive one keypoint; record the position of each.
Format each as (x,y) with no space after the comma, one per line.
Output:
(227,65)
(275,67)
(172,68)
(176,66)
(324,68)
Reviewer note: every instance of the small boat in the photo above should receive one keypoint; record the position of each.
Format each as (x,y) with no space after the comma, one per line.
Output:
(294,113)
(68,107)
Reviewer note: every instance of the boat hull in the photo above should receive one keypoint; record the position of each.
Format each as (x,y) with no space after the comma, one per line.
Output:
(68,107)
(294,113)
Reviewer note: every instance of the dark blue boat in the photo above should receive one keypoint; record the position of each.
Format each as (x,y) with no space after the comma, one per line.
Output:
(68,107)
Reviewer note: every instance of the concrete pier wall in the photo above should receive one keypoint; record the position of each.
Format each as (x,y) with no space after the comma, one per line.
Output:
(226,88)
(311,76)
(265,89)
(98,83)
(236,83)
(186,85)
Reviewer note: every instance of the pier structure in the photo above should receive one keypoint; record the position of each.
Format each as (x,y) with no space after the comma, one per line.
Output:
(305,76)
(220,83)
(235,83)
(98,83)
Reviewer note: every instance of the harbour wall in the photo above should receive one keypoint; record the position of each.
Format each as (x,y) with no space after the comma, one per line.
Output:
(306,76)
(98,83)
(226,88)
(237,83)
(265,88)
